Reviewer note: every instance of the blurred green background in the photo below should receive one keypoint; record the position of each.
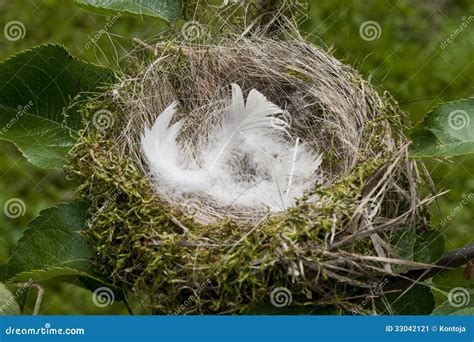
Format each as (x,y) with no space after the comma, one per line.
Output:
(408,59)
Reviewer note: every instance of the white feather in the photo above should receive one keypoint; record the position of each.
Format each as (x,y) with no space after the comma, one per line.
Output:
(246,161)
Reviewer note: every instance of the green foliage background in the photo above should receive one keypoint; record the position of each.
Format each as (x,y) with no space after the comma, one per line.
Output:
(407,60)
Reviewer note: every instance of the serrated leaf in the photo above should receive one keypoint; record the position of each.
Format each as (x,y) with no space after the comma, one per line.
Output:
(168,10)
(8,304)
(52,246)
(452,278)
(94,283)
(43,142)
(418,300)
(464,306)
(22,297)
(428,247)
(425,247)
(49,77)
(36,87)
(448,130)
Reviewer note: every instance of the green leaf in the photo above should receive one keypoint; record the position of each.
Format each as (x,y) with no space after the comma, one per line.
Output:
(448,130)
(425,247)
(36,87)
(448,279)
(463,305)
(22,297)
(43,142)
(8,304)
(52,246)
(418,300)
(168,10)
(428,247)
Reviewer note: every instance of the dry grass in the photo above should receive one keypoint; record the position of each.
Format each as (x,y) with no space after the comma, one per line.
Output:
(340,234)
(330,106)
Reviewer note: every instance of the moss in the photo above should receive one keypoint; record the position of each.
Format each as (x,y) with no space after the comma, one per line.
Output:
(262,11)
(165,256)
(141,248)
(299,75)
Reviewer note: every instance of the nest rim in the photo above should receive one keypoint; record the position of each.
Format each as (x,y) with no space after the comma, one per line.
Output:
(309,248)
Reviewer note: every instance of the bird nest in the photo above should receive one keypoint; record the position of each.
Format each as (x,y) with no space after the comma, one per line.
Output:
(186,251)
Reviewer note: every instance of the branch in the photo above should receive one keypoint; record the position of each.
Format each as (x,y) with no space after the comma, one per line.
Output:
(453,259)
(457,258)
(406,281)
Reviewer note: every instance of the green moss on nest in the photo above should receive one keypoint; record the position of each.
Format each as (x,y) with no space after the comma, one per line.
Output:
(140,245)
(164,254)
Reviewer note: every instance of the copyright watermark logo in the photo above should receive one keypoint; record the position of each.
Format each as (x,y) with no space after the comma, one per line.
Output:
(103,296)
(14,208)
(14,30)
(193,31)
(458,297)
(282,121)
(281,297)
(191,207)
(374,206)
(103,119)
(458,119)
(370,30)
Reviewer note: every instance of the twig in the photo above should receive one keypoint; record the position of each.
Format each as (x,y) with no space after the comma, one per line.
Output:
(406,281)
(127,306)
(449,260)
(159,243)
(39,298)
(178,223)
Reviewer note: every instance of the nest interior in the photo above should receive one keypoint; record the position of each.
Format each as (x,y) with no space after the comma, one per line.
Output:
(336,240)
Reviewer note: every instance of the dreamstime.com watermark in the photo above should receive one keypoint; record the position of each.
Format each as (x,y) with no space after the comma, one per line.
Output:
(103,119)
(21,110)
(466,199)
(191,207)
(193,298)
(280,297)
(459,297)
(464,24)
(370,30)
(228,2)
(108,24)
(23,287)
(103,296)
(106,204)
(14,208)
(193,31)
(374,293)
(458,119)
(14,30)
(46,330)
(284,120)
